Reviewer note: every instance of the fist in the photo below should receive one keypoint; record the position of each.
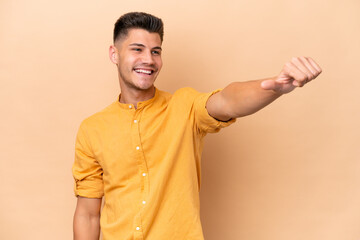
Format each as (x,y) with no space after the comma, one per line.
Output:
(296,73)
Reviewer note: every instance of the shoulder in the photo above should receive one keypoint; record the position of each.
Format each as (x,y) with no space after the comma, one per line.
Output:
(186,91)
(182,95)
(186,94)
(164,96)
(97,119)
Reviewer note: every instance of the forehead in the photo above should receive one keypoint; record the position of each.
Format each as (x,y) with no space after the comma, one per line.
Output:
(141,36)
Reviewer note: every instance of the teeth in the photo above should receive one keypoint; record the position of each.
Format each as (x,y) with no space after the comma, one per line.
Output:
(143,71)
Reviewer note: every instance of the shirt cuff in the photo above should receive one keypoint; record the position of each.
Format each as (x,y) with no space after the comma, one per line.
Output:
(206,122)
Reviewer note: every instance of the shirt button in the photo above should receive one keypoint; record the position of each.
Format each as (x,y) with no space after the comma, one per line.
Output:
(137,228)
(130,106)
(137,148)
(144,174)
(135,121)
(144,202)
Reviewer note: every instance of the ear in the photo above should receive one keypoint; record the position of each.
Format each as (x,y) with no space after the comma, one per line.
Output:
(113,54)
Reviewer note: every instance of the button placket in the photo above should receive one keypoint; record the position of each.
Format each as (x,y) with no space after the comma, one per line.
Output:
(139,157)
(144,170)
(138,228)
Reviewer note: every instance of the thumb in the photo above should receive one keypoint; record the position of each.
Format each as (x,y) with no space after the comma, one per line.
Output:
(270,85)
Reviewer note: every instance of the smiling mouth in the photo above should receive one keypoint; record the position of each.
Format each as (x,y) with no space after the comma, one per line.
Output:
(144,71)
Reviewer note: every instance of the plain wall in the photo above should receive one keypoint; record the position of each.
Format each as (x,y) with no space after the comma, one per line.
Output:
(290,171)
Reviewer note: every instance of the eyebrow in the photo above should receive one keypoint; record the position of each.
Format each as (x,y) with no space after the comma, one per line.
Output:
(142,45)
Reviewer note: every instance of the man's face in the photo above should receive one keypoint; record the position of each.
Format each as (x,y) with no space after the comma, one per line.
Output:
(138,59)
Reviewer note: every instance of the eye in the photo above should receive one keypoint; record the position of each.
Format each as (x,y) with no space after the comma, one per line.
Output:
(137,49)
(155,52)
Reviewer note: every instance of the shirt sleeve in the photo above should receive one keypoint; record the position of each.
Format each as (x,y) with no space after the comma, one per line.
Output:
(204,121)
(86,170)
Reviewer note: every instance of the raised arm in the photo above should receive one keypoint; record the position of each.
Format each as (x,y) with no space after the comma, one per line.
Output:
(87,219)
(239,99)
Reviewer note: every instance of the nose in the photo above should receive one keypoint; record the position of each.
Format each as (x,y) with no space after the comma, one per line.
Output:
(147,57)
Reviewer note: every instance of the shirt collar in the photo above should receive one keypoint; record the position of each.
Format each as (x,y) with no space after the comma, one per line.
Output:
(142,104)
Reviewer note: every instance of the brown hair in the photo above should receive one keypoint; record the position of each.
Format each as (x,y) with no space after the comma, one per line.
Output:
(138,20)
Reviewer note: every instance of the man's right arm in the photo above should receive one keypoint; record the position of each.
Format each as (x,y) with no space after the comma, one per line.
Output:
(87,219)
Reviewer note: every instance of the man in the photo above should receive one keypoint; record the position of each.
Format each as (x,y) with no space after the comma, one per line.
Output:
(142,152)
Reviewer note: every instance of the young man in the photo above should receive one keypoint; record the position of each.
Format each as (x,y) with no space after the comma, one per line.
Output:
(142,152)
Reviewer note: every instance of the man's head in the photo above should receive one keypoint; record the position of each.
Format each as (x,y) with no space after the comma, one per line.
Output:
(137,20)
(137,51)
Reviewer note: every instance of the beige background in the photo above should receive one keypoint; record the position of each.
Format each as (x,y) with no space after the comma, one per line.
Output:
(290,171)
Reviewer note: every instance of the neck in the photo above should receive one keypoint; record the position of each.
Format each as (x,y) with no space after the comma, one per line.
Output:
(133,96)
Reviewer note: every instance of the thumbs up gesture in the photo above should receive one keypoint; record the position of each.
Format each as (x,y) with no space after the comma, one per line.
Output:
(296,73)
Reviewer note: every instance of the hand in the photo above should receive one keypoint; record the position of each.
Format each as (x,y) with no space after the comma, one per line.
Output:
(296,73)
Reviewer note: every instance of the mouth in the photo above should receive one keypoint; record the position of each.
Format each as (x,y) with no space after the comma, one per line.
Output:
(144,71)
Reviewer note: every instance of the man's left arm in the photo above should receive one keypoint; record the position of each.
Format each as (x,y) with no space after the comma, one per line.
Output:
(239,99)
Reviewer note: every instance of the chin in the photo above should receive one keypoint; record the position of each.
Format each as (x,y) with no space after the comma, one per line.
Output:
(142,87)
(145,85)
